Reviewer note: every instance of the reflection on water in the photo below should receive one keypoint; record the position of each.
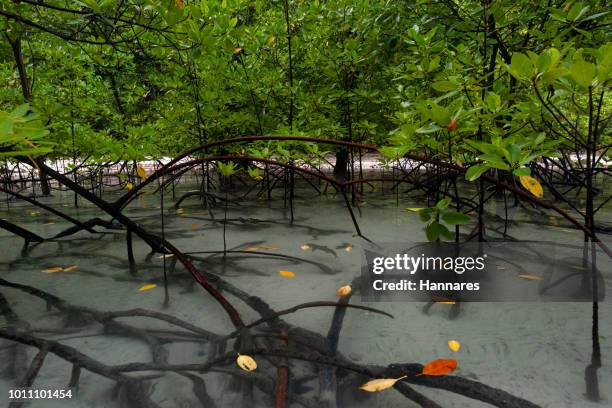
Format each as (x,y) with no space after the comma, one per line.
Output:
(536,351)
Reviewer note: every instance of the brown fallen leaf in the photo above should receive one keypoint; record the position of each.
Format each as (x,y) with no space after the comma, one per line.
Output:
(528,276)
(53,269)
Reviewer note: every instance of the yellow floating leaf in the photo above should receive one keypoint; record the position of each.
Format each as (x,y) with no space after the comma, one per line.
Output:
(70,268)
(129,186)
(53,269)
(165,256)
(268,247)
(343,291)
(287,274)
(260,248)
(142,173)
(49,223)
(147,287)
(380,384)
(443,300)
(531,277)
(348,248)
(305,247)
(414,209)
(532,185)
(247,363)
(454,345)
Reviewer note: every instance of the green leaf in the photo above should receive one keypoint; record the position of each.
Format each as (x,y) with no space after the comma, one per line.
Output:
(455,218)
(444,86)
(522,171)
(434,230)
(493,101)
(226,169)
(443,203)
(494,160)
(425,214)
(475,171)
(521,66)
(582,72)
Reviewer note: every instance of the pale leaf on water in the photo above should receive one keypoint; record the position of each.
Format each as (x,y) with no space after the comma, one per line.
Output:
(247,363)
(380,384)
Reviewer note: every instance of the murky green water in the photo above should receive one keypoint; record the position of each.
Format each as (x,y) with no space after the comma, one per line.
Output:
(537,351)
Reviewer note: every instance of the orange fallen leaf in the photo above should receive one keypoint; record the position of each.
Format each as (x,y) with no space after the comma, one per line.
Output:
(147,287)
(530,277)
(70,268)
(53,269)
(343,291)
(194,225)
(441,366)
(287,274)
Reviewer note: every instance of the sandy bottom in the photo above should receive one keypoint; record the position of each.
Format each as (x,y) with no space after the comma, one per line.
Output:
(537,351)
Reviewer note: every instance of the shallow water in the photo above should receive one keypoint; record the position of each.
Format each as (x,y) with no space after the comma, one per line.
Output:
(537,351)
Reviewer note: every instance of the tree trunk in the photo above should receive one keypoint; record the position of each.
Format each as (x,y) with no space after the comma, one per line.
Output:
(27,96)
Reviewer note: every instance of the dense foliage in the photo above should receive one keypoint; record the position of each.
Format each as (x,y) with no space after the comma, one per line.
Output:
(130,79)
